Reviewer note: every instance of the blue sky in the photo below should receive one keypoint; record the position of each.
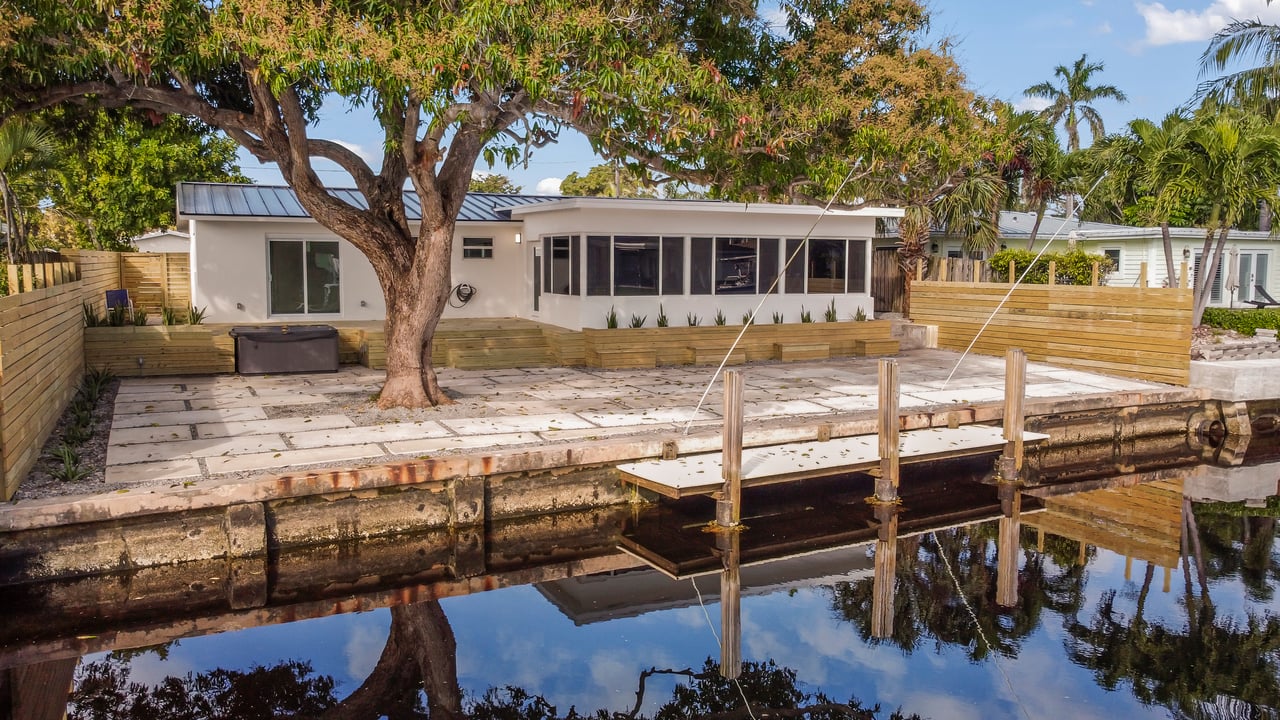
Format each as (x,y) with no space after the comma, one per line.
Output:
(1150,50)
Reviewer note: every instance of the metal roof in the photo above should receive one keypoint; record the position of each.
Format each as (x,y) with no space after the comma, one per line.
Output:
(197,199)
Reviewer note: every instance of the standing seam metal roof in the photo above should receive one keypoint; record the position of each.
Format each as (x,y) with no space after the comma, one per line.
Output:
(274,201)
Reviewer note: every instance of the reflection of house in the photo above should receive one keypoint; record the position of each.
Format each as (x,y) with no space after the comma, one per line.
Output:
(163,241)
(257,256)
(1128,246)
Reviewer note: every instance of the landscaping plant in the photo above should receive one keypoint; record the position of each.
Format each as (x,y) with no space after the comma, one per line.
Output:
(662,316)
(805,315)
(611,318)
(720,319)
(195,315)
(637,321)
(777,318)
(831,315)
(693,320)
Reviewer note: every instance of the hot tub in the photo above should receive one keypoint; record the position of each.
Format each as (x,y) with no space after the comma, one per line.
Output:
(286,349)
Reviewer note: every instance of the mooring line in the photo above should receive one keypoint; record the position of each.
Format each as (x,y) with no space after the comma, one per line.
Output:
(1018,282)
(751,320)
(995,655)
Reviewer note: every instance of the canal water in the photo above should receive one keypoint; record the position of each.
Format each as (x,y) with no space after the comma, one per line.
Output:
(1133,595)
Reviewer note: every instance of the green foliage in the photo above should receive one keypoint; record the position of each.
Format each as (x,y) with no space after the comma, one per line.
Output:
(720,319)
(1074,267)
(637,321)
(860,315)
(139,316)
(805,315)
(195,315)
(168,316)
(693,320)
(117,171)
(70,469)
(602,181)
(1245,322)
(493,183)
(91,318)
(777,318)
(95,383)
(747,318)
(611,318)
(830,315)
(662,316)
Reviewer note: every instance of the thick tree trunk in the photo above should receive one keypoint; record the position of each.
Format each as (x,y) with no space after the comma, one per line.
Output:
(415,301)
(1035,229)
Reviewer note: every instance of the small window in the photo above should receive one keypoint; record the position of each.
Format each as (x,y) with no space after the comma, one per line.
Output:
(1114,254)
(477,248)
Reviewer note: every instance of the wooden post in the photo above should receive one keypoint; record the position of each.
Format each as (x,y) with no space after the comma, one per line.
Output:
(1096,271)
(164,280)
(728,512)
(730,606)
(942,270)
(1128,568)
(1015,390)
(1184,280)
(1007,552)
(886,568)
(919,268)
(1142,275)
(1082,556)
(28,277)
(1053,272)
(1168,578)
(887,483)
(1013,272)
(14,287)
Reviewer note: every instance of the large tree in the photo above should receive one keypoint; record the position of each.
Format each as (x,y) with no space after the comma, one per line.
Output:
(26,153)
(117,170)
(608,180)
(1071,99)
(702,91)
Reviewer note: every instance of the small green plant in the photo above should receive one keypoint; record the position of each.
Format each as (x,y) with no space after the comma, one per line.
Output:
(831,315)
(662,317)
(139,316)
(91,318)
(117,316)
(195,315)
(746,318)
(860,315)
(805,315)
(95,383)
(637,321)
(70,470)
(777,318)
(82,415)
(168,316)
(693,320)
(720,319)
(611,318)
(77,435)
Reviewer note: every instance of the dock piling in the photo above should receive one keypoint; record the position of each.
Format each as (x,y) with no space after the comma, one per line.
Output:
(1008,547)
(728,500)
(886,569)
(730,606)
(1015,390)
(887,483)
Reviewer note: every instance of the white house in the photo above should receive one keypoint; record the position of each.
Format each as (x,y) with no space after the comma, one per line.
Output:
(257,256)
(163,241)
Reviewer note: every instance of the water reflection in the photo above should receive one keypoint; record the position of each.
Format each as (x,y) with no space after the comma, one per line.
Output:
(970,599)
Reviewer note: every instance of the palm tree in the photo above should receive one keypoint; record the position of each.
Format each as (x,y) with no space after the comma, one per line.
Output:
(1252,88)
(1231,161)
(1069,101)
(26,148)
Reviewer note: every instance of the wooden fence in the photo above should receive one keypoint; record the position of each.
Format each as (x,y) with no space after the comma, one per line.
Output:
(35,276)
(1130,331)
(154,280)
(41,362)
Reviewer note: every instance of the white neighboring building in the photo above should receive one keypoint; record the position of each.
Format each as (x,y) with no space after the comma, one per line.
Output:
(163,241)
(257,257)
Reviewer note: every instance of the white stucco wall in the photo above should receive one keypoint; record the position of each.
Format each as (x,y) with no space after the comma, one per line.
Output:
(163,244)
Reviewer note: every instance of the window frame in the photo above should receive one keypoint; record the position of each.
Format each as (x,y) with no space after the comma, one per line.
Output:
(305,243)
(477,248)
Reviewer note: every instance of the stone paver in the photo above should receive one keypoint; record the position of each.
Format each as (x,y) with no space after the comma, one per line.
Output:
(184,428)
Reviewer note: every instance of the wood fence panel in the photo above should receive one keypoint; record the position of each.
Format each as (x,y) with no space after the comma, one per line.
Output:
(41,363)
(1133,332)
(888,284)
(99,272)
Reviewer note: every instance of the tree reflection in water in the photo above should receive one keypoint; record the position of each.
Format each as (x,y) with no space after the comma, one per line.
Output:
(416,679)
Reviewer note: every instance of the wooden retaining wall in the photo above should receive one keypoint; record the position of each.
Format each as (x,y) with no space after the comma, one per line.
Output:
(1132,331)
(41,363)
(136,351)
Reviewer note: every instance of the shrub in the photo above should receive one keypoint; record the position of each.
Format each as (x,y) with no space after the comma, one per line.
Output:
(1074,267)
(1245,322)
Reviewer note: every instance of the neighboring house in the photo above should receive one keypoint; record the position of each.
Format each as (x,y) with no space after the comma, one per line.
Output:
(257,256)
(163,241)
(1132,246)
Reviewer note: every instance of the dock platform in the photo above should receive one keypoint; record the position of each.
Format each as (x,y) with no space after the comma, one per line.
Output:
(700,474)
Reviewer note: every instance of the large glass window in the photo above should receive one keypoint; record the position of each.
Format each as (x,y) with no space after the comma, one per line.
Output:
(736,265)
(598,278)
(561,266)
(303,277)
(635,265)
(672,266)
(794,275)
(857,266)
(769,266)
(826,266)
(700,265)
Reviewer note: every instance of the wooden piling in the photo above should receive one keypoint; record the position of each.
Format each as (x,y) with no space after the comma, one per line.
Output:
(886,568)
(1142,275)
(728,512)
(919,268)
(1097,270)
(730,606)
(1184,280)
(942,270)
(888,422)
(1008,549)
(1053,272)
(1015,390)
(1013,273)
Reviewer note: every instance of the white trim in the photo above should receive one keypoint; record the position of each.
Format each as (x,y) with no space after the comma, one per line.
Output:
(706,206)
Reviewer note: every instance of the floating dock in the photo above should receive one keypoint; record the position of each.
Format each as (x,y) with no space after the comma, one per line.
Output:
(701,474)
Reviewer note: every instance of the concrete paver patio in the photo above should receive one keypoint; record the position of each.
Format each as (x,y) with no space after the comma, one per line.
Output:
(185,429)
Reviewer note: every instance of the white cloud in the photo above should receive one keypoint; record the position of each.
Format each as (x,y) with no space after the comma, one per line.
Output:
(1104,28)
(1165,26)
(548,186)
(360,150)
(1033,104)
(364,647)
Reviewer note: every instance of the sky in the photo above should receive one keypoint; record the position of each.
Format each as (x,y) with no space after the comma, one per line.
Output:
(1150,51)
